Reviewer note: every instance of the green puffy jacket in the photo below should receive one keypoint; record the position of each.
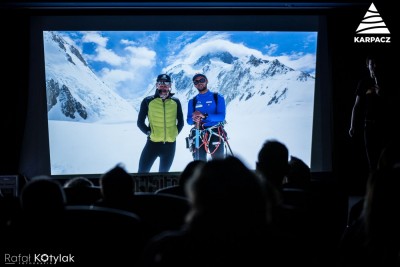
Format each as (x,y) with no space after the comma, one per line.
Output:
(165,118)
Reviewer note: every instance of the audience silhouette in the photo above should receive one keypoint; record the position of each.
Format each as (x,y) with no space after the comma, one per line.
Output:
(117,189)
(298,175)
(42,196)
(373,239)
(81,191)
(273,162)
(221,213)
(372,236)
(289,221)
(157,212)
(78,181)
(297,183)
(389,158)
(227,223)
(42,205)
(273,167)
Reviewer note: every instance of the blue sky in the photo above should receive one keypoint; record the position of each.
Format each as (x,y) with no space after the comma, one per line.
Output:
(129,60)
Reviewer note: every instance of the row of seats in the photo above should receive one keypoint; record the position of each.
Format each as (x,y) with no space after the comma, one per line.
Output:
(97,234)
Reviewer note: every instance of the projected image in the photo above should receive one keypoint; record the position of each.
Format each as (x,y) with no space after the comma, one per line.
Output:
(95,82)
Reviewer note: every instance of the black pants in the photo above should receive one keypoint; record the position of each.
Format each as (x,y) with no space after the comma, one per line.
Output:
(153,150)
(214,147)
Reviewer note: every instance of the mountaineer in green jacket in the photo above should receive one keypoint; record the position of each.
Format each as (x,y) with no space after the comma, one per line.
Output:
(165,121)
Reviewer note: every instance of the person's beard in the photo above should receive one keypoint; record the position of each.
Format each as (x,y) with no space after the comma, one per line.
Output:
(163,93)
(202,89)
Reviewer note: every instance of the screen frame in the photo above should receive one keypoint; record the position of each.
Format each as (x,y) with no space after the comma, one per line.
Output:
(32,165)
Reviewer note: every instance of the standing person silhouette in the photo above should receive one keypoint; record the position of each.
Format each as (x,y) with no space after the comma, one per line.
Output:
(207,111)
(371,110)
(165,117)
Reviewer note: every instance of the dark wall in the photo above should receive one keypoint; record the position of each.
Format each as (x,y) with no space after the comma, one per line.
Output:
(14,85)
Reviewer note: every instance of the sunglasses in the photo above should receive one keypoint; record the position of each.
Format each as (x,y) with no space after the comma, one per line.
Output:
(202,80)
(162,82)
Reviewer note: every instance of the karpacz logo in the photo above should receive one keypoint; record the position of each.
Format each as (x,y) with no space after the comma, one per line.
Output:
(372,24)
(371,39)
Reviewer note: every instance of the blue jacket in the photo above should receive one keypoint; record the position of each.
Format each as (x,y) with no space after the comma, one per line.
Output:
(206,105)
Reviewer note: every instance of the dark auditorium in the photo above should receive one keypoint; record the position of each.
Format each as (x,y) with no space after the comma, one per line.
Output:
(292,105)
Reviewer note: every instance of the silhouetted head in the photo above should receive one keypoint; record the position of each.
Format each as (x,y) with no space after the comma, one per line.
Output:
(373,63)
(79,181)
(299,173)
(273,161)
(117,184)
(42,195)
(189,170)
(224,189)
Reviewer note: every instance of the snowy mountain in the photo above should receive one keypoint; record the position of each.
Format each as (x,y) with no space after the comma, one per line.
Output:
(74,92)
(241,79)
(266,99)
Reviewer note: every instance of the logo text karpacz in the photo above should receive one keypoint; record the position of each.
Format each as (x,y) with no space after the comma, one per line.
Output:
(372,39)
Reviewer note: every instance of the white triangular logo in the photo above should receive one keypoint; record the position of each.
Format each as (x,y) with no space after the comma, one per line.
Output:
(372,23)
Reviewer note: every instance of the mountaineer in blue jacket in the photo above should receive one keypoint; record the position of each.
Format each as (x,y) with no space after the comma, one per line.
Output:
(207,112)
